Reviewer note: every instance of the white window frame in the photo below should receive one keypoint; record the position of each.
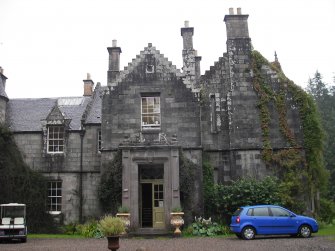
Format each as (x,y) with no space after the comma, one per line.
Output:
(152,111)
(54,203)
(56,142)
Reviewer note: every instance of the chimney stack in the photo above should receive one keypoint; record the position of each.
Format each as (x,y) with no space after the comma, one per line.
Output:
(187,34)
(88,86)
(114,62)
(191,62)
(237,25)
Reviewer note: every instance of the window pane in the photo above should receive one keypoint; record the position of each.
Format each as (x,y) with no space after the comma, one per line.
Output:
(261,211)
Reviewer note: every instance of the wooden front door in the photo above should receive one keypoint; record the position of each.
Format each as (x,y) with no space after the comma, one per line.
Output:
(158,204)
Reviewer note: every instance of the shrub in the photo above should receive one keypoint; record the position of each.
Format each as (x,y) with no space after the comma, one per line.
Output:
(225,199)
(327,211)
(123,210)
(90,229)
(203,227)
(110,225)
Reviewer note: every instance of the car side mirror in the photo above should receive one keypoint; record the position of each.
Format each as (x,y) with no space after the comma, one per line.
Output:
(292,215)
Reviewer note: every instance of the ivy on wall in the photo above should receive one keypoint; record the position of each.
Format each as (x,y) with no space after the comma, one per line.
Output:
(20,184)
(110,188)
(290,161)
(187,172)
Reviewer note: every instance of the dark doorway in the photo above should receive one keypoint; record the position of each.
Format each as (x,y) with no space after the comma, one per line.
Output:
(146,205)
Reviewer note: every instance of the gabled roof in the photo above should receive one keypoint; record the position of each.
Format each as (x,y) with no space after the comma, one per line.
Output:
(164,66)
(26,115)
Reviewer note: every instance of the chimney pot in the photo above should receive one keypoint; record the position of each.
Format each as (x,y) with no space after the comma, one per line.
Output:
(239,11)
(88,76)
(186,24)
(114,43)
(1,70)
(231,11)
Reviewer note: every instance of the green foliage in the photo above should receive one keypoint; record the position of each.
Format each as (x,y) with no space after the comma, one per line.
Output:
(227,198)
(123,209)
(90,229)
(20,184)
(110,225)
(325,100)
(327,210)
(289,163)
(110,188)
(187,171)
(208,185)
(203,227)
(176,209)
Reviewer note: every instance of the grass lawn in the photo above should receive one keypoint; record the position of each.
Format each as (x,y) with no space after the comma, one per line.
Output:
(55,236)
(327,230)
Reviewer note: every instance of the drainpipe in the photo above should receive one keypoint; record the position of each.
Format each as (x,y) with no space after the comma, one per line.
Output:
(82,133)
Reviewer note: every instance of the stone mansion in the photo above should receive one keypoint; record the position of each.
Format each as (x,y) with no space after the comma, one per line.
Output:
(151,112)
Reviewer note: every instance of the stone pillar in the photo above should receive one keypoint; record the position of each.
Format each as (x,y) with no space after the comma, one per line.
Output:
(114,62)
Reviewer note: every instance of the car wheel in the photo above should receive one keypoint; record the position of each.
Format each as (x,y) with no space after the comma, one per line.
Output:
(248,233)
(305,231)
(23,240)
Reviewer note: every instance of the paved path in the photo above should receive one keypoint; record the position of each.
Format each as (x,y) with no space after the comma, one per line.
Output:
(176,244)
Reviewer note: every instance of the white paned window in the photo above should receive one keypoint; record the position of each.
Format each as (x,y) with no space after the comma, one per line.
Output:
(151,112)
(55,139)
(54,203)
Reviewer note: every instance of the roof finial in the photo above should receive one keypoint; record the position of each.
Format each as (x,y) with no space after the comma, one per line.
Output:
(276,58)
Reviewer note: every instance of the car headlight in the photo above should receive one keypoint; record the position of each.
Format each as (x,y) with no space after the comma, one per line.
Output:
(2,232)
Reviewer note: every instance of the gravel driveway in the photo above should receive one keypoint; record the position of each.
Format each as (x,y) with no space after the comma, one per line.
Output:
(176,244)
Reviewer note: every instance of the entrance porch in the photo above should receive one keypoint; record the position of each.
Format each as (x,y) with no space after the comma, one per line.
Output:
(150,185)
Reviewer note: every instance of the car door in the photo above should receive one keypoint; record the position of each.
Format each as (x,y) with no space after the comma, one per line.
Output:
(260,218)
(283,221)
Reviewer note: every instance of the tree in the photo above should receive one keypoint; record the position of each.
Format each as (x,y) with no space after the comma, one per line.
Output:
(325,100)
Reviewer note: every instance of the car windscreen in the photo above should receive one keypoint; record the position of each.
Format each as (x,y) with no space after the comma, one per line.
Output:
(13,211)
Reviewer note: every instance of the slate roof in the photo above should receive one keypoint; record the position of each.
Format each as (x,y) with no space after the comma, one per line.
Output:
(26,115)
(94,112)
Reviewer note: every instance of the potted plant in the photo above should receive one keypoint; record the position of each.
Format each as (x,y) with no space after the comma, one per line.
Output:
(123,214)
(112,228)
(177,219)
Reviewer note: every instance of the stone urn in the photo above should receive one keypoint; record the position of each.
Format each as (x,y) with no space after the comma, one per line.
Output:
(177,221)
(113,242)
(112,228)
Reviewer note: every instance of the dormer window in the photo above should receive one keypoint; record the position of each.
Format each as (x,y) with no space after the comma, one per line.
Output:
(55,139)
(151,112)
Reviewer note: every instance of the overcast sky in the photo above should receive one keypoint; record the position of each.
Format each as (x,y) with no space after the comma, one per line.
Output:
(48,46)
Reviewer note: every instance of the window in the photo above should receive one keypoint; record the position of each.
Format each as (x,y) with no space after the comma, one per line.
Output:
(279,212)
(55,139)
(261,211)
(151,116)
(99,141)
(54,203)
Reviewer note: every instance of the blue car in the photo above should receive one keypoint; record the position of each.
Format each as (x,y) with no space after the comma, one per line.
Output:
(249,221)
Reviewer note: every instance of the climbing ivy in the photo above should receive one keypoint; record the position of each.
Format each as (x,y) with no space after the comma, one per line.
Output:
(20,184)
(290,161)
(110,188)
(187,172)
